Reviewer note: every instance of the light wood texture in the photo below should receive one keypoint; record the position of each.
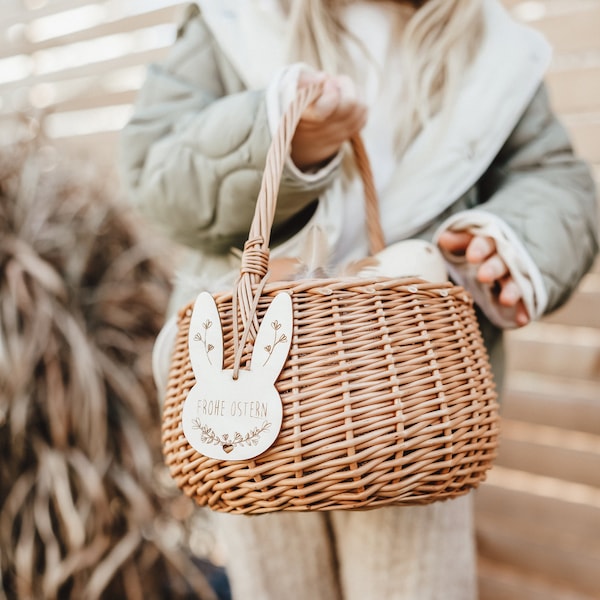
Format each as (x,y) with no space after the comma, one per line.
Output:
(538,516)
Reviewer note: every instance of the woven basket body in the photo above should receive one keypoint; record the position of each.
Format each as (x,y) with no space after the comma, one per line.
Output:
(387,398)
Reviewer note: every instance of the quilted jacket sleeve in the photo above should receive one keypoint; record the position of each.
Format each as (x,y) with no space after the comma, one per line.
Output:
(193,153)
(546,194)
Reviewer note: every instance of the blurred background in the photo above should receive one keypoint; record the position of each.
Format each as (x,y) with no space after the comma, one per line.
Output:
(69,71)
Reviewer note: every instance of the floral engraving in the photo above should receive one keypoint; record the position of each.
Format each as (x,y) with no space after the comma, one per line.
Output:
(276,326)
(198,338)
(251,438)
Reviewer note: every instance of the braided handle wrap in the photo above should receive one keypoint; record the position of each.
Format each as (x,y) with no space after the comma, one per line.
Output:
(255,257)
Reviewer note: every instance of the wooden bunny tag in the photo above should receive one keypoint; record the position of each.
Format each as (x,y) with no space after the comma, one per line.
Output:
(235,419)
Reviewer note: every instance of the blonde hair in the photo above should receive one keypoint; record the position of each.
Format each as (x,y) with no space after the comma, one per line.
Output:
(438,39)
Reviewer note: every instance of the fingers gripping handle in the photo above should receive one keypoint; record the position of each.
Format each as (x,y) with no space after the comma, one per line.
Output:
(255,257)
(260,230)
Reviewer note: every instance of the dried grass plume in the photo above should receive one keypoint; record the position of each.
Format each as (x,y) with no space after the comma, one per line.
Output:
(84,512)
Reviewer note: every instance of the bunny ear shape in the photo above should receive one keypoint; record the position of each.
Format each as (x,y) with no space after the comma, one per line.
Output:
(274,337)
(205,341)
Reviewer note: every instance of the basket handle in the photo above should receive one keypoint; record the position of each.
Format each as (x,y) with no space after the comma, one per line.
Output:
(255,257)
(260,230)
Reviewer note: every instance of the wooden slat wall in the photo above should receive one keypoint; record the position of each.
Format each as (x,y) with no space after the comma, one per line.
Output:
(538,515)
(80,81)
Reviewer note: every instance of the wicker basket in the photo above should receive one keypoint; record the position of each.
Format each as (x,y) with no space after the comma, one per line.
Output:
(387,393)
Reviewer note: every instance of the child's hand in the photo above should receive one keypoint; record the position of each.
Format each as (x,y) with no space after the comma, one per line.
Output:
(481,251)
(328,122)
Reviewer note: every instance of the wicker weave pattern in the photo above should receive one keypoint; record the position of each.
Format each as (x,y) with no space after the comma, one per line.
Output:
(395,406)
(387,392)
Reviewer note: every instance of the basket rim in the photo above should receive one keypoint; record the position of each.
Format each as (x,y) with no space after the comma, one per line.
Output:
(365,285)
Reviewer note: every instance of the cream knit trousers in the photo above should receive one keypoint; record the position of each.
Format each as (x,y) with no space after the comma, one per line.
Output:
(392,553)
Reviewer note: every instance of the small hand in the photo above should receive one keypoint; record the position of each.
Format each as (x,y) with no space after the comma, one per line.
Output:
(480,250)
(333,118)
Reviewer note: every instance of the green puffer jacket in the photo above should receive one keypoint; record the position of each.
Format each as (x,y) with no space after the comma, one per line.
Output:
(193,152)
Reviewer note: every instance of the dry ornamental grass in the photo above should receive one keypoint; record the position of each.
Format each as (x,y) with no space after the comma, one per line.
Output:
(84,510)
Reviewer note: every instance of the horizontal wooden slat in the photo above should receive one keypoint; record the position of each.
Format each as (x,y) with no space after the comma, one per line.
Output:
(22,15)
(586,137)
(566,403)
(545,527)
(576,31)
(541,504)
(99,100)
(556,350)
(125,25)
(507,542)
(498,581)
(550,451)
(117,86)
(89,70)
(575,90)
(550,7)
(583,308)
